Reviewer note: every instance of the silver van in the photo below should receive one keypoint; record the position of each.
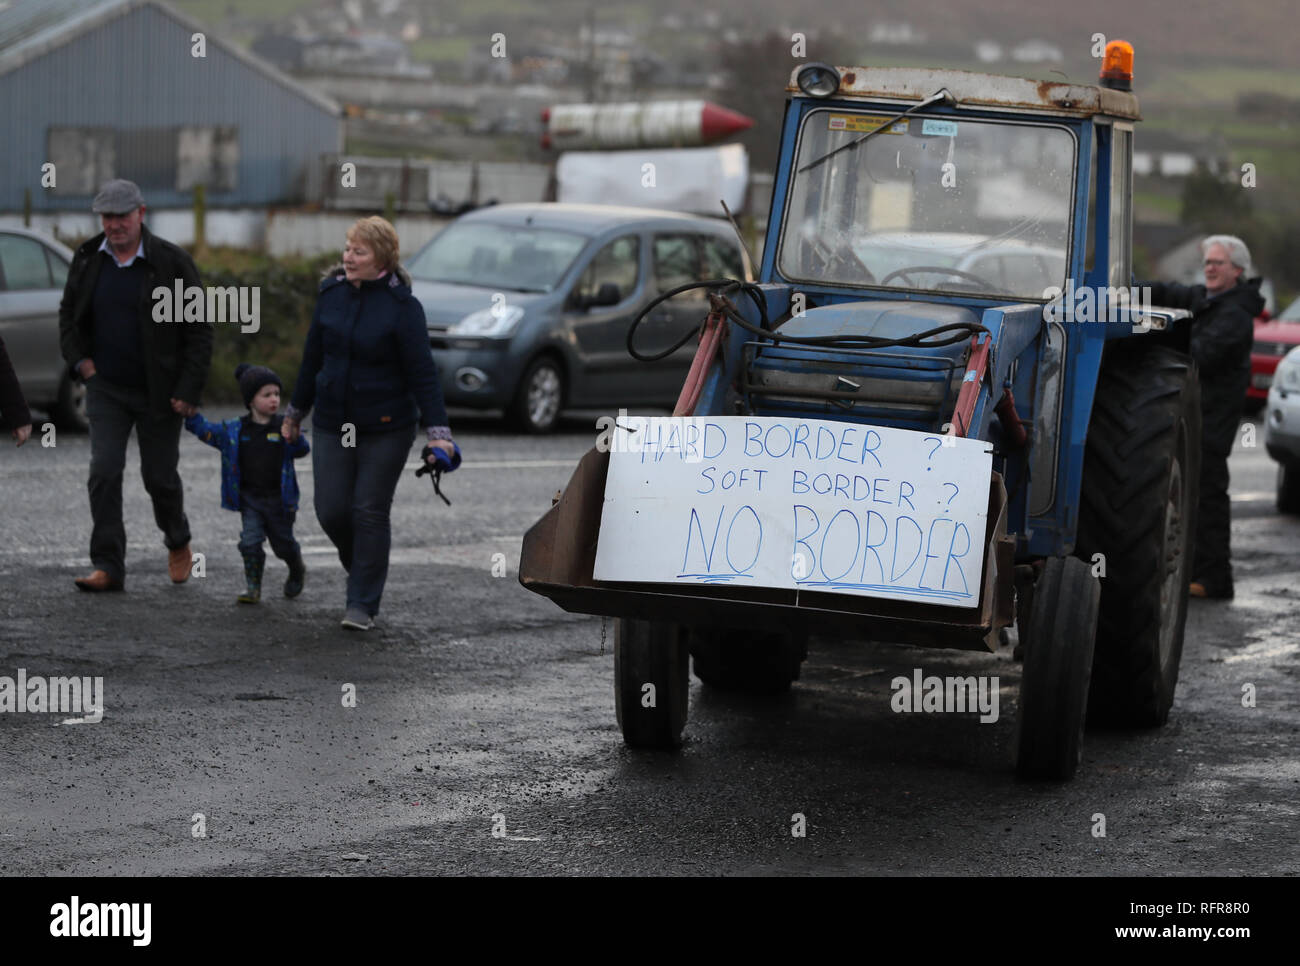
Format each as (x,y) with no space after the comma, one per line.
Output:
(33,269)
(529,305)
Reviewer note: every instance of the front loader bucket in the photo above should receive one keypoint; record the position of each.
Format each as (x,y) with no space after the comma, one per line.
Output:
(559,556)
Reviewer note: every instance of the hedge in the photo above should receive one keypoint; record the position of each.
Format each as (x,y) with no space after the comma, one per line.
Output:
(287,290)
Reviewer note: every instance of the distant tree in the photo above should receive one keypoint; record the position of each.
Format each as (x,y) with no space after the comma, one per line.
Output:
(1213,204)
(757,70)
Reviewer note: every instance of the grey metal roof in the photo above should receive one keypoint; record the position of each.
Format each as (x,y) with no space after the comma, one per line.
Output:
(26,23)
(33,28)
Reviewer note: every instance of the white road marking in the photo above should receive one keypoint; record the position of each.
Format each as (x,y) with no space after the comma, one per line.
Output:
(1264,651)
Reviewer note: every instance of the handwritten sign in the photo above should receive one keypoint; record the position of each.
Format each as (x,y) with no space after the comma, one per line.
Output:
(764,501)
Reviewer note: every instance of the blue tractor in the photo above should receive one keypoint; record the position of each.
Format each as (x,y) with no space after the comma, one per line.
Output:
(948,254)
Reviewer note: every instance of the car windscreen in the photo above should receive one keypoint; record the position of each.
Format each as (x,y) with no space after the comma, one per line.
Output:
(922,204)
(507,257)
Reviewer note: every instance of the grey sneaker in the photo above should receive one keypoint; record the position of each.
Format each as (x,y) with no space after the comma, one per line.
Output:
(357,620)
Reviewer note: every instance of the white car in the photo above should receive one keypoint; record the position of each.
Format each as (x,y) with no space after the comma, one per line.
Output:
(1282,430)
(951,260)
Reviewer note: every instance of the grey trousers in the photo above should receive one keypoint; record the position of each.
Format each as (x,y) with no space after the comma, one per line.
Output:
(113,411)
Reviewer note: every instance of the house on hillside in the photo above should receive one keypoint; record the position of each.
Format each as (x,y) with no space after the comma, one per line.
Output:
(134,89)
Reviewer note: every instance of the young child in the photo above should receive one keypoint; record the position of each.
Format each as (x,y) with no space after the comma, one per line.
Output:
(257,478)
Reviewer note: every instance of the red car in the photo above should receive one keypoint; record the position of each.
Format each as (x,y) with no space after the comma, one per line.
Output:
(1274,338)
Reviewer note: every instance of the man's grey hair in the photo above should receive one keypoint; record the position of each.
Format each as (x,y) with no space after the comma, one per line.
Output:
(1237,251)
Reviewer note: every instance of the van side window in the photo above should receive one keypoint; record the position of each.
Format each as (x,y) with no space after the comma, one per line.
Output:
(618,263)
(23,263)
(721,258)
(677,261)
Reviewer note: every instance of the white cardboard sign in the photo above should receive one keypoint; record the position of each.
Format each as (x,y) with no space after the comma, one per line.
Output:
(763,501)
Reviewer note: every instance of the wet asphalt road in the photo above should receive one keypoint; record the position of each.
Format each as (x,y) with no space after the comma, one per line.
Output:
(481,706)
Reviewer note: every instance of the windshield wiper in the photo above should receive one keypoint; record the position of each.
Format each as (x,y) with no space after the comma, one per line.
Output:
(941,96)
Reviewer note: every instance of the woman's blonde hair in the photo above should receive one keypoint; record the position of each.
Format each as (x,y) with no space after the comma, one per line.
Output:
(380,237)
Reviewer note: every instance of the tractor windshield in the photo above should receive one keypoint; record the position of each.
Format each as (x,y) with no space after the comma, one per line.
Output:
(970,207)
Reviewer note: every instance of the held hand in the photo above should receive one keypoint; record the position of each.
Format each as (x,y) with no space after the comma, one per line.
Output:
(443,444)
(183,408)
(289,431)
(87,369)
(21,434)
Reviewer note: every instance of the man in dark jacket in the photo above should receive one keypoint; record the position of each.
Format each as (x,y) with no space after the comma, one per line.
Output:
(1223,331)
(138,372)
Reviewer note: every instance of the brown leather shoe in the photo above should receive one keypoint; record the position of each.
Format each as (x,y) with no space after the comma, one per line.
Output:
(98,582)
(179,562)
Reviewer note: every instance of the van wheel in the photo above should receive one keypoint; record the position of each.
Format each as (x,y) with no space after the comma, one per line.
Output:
(652,685)
(537,403)
(70,411)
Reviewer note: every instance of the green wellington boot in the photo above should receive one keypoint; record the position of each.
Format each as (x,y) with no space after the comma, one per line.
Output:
(253,567)
(297,575)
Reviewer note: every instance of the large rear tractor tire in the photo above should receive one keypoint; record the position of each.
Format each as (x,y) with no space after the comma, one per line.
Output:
(1141,473)
(651,682)
(751,662)
(1058,665)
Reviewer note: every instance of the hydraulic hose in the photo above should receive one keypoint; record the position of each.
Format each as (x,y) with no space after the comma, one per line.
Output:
(719,295)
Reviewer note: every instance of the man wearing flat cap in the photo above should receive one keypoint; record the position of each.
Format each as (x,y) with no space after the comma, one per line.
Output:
(138,373)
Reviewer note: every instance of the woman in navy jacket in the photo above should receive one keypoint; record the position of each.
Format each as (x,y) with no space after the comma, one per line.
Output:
(368,372)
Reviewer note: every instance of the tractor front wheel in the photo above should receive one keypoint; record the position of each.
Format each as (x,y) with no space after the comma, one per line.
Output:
(651,682)
(1058,664)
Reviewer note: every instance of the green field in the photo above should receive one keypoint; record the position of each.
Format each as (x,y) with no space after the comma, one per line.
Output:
(1216,85)
(448,49)
(1150,206)
(216,11)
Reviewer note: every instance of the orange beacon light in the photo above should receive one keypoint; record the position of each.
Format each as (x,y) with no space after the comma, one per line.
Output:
(1117,66)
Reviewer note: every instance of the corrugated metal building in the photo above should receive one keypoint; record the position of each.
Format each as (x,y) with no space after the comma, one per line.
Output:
(112,88)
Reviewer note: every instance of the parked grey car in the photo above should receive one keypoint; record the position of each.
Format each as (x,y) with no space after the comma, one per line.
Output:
(33,268)
(529,305)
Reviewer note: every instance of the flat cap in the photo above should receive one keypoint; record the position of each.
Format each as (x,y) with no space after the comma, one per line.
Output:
(117,197)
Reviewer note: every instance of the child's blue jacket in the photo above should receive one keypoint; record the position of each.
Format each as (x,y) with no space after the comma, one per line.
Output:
(225,437)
